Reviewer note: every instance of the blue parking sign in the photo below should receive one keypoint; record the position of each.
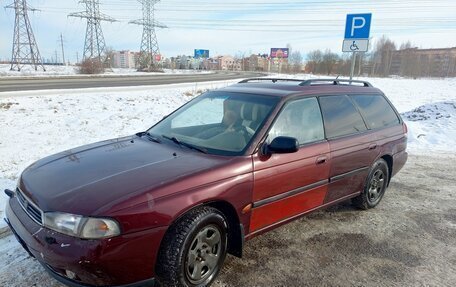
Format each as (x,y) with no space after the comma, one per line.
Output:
(358,26)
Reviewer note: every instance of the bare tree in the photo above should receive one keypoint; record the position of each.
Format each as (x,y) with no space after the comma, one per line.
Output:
(329,60)
(383,56)
(295,61)
(406,45)
(314,58)
(109,57)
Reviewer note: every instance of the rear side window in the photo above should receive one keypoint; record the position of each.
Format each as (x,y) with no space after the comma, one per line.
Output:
(340,116)
(376,110)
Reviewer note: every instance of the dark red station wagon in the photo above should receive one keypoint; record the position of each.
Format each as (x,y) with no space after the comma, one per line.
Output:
(166,205)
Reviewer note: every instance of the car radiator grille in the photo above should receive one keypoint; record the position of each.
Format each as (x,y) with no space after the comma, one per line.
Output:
(31,209)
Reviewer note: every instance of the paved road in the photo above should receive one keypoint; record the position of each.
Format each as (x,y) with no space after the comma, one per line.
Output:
(27,84)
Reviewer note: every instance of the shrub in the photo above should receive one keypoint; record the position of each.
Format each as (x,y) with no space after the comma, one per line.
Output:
(91,66)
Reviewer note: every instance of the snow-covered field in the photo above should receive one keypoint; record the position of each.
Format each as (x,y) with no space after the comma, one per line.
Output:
(65,71)
(36,124)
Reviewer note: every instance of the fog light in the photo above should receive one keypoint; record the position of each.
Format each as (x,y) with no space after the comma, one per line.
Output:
(70,274)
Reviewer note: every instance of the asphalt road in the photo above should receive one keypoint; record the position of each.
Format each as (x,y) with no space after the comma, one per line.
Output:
(76,82)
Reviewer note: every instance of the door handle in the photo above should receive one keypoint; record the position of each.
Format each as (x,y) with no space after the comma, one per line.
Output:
(321,160)
(373,146)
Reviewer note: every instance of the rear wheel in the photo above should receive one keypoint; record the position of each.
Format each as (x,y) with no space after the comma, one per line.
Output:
(375,186)
(193,249)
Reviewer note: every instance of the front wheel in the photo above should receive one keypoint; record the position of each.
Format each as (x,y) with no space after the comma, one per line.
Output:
(375,186)
(193,249)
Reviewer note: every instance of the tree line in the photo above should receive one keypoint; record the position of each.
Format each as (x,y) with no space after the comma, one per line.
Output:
(386,59)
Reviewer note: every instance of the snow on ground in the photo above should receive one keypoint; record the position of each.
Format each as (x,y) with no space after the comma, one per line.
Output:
(35,124)
(28,71)
(59,71)
(428,106)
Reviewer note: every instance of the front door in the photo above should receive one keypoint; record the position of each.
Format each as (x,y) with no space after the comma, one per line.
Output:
(288,185)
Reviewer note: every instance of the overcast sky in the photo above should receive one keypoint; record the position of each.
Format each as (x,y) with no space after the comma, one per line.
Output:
(238,26)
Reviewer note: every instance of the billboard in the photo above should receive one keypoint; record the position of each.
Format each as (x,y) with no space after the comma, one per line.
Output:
(201,53)
(279,53)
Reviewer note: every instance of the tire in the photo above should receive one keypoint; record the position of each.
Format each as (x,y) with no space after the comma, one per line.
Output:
(193,250)
(375,186)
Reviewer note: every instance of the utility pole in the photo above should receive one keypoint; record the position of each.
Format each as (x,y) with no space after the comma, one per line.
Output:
(63,50)
(149,44)
(94,46)
(25,49)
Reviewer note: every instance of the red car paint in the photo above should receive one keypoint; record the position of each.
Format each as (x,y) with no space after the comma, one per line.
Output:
(146,189)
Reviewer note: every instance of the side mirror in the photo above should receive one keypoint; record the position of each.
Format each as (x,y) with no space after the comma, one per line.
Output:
(283,145)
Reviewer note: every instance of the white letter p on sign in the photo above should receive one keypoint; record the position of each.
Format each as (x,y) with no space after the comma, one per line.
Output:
(354,26)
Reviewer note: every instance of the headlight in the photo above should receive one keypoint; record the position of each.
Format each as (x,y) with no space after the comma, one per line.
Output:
(80,226)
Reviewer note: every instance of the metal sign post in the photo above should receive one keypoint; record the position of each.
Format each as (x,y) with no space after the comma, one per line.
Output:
(352,69)
(357,30)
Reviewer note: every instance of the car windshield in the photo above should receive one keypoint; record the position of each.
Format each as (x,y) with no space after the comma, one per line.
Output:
(217,122)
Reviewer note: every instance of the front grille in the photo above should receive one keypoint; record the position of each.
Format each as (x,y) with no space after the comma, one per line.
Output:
(29,207)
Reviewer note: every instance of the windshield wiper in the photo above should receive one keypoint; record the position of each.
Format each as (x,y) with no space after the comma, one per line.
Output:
(152,137)
(190,146)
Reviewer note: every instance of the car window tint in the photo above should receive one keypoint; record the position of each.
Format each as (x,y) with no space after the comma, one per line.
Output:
(376,110)
(299,119)
(340,116)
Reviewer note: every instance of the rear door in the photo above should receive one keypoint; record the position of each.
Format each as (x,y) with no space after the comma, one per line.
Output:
(353,147)
(287,185)
(386,125)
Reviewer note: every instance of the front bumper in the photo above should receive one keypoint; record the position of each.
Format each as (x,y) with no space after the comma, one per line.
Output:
(127,260)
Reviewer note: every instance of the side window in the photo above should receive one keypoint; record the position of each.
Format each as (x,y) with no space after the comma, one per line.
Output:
(300,119)
(376,110)
(341,117)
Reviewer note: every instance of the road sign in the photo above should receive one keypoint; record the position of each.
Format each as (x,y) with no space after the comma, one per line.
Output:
(355,45)
(358,26)
(357,30)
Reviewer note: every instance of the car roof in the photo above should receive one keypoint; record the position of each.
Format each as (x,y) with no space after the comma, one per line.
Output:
(293,87)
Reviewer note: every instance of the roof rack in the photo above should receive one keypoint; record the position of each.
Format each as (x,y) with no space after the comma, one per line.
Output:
(335,82)
(308,82)
(274,80)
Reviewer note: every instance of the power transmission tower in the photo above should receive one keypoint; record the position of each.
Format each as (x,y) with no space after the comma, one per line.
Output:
(149,44)
(25,49)
(94,46)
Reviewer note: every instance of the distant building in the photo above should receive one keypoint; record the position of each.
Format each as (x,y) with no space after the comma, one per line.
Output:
(124,59)
(414,62)
(226,63)
(256,63)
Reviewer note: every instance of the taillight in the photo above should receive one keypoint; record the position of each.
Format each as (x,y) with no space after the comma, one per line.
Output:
(404,126)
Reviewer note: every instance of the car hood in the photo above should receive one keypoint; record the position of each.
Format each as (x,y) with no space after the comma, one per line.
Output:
(90,178)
